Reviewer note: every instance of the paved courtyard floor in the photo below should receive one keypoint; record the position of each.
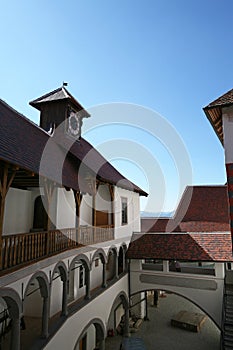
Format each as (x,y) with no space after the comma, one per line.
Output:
(158,334)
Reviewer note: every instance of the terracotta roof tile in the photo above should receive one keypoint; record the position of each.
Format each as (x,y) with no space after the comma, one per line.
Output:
(181,246)
(201,209)
(22,143)
(225,99)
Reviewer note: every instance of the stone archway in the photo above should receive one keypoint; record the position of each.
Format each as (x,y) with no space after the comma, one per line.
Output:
(79,278)
(36,309)
(94,333)
(160,332)
(99,258)
(40,218)
(119,314)
(59,290)
(112,264)
(11,315)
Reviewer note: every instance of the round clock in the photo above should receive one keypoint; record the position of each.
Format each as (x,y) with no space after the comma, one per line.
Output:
(74,125)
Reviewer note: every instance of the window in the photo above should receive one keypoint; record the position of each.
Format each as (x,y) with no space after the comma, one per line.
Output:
(124,211)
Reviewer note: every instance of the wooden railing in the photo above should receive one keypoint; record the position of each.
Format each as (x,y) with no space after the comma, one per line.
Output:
(91,235)
(24,248)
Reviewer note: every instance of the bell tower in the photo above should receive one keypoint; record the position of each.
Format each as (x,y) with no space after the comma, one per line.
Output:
(57,107)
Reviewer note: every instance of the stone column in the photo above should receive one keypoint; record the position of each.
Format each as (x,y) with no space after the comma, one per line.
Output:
(104,284)
(102,345)
(15,334)
(165,266)
(126,328)
(64,298)
(116,266)
(45,318)
(88,284)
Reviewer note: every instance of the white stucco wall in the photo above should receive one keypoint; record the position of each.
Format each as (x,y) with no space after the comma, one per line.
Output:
(96,274)
(227,116)
(86,210)
(134,224)
(66,212)
(103,199)
(56,295)
(209,299)
(70,329)
(18,216)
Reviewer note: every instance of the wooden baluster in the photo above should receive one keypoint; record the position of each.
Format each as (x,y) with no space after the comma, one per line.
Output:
(11,252)
(6,254)
(3,250)
(33,247)
(16,242)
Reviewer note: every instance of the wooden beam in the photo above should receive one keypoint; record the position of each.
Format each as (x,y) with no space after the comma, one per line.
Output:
(78,200)
(48,191)
(112,195)
(5,184)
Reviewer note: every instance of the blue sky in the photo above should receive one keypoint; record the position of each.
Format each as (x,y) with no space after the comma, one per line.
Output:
(173,57)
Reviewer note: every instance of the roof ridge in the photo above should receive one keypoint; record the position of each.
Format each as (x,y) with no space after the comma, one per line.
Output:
(217,101)
(48,94)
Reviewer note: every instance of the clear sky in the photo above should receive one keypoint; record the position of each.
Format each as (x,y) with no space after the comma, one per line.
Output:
(169,56)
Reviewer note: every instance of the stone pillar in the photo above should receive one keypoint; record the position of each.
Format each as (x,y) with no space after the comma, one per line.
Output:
(102,344)
(126,328)
(104,283)
(116,266)
(88,284)
(45,318)
(15,334)
(165,266)
(64,298)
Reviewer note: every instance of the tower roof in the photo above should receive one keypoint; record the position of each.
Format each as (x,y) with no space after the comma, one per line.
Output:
(57,95)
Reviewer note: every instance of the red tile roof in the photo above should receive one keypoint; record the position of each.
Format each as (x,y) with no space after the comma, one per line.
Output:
(22,143)
(214,112)
(225,99)
(181,246)
(201,209)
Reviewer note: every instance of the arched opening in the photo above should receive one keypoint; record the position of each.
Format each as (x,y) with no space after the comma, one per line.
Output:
(58,296)
(35,310)
(40,218)
(92,337)
(118,320)
(98,270)
(175,317)
(121,261)
(10,315)
(103,209)
(79,279)
(112,264)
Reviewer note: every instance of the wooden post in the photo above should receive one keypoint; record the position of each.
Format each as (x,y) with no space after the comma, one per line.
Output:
(5,184)
(48,189)
(95,186)
(111,191)
(78,199)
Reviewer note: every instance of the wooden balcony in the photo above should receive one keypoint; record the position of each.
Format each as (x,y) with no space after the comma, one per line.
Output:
(23,249)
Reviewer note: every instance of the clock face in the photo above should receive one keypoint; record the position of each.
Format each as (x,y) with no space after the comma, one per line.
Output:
(74,124)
